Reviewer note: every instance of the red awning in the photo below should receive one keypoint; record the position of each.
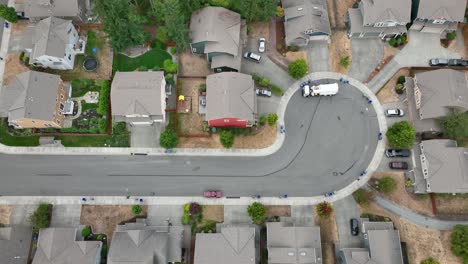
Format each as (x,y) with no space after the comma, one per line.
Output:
(227,122)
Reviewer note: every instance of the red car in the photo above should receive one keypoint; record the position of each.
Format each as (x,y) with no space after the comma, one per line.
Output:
(213,194)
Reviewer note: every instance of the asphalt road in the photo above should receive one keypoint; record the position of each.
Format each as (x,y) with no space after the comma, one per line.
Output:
(329,141)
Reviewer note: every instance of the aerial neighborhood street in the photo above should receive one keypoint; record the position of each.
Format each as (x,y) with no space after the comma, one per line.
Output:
(234,131)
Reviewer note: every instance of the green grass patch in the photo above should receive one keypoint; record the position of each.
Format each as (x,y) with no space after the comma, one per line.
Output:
(120,137)
(20,141)
(87,106)
(150,60)
(81,86)
(93,42)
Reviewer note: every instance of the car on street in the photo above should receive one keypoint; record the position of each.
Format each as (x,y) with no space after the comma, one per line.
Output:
(393,153)
(354,224)
(398,165)
(438,62)
(212,194)
(261,45)
(253,57)
(263,92)
(458,62)
(394,112)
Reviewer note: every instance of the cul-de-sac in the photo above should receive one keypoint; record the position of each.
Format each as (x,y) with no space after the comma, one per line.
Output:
(233,132)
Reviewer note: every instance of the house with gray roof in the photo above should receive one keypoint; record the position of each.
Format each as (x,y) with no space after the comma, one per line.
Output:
(294,244)
(55,44)
(36,10)
(440,167)
(63,245)
(140,243)
(139,98)
(382,245)
(437,16)
(36,100)
(15,243)
(219,34)
(230,245)
(379,18)
(230,100)
(433,95)
(305,20)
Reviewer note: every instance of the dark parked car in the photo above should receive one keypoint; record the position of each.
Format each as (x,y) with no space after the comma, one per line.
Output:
(354,223)
(438,62)
(398,165)
(392,153)
(458,62)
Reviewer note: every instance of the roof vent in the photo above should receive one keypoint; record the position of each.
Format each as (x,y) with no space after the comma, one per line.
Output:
(300,9)
(291,254)
(303,254)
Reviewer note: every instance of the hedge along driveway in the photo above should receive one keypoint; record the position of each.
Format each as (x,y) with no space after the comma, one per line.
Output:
(151,59)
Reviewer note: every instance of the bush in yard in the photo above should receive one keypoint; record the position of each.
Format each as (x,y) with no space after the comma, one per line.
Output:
(430,261)
(399,88)
(102,126)
(279,11)
(173,50)
(263,120)
(155,44)
(402,79)
(257,212)
(272,119)
(345,61)
(168,139)
(195,209)
(169,66)
(401,135)
(41,217)
(293,48)
(392,42)
(99,237)
(227,138)
(456,126)
(186,219)
(459,241)
(86,232)
(451,35)
(264,82)
(298,68)
(104,94)
(386,184)
(136,209)
(103,252)
(362,197)
(202,87)
(324,209)
(161,35)
(8,13)
(276,90)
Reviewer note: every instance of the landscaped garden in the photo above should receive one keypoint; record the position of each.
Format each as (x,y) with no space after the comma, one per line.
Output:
(119,137)
(153,59)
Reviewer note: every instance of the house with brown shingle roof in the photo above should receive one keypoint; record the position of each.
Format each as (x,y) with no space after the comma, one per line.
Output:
(436,16)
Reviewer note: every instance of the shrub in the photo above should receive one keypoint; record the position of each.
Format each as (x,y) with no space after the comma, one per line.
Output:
(459,241)
(102,126)
(402,79)
(195,209)
(209,227)
(263,120)
(257,212)
(399,88)
(104,251)
(136,209)
(186,219)
(202,87)
(168,139)
(403,39)
(293,48)
(86,232)
(119,128)
(264,82)
(324,210)
(345,61)
(401,135)
(104,94)
(272,119)
(41,217)
(169,66)
(21,56)
(451,35)
(173,50)
(456,126)
(362,197)
(298,68)
(227,138)
(276,90)
(386,185)
(392,42)
(99,237)
(8,13)
(155,44)
(408,183)
(162,35)
(430,261)
(279,11)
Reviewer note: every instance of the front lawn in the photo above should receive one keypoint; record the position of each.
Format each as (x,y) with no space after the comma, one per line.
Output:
(152,59)
(120,137)
(19,140)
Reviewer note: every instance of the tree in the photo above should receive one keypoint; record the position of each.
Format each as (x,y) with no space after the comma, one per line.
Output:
(169,66)
(257,212)
(362,197)
(459,241)
(175,20)
(255,10)
(345,61)
(451,35)
(162,35)
(168,139)
(195,209)
(136,209)
(8,13)
(222,3)
(227,138)
(386,185)
(324,210)
(456,126)
(401,135)
(41,217)
(272,118)
(430,261)
(86,232)
(298,68)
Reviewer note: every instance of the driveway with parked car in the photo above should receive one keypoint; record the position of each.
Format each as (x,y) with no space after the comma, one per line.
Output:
(345,210)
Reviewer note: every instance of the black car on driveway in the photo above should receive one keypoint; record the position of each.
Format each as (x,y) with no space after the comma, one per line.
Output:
(458,62)
(354,224)
(398,165)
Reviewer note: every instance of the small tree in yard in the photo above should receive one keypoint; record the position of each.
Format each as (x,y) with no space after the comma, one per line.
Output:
(257,212)
(41,217)
(324,210)
(279,11)
(345,61)
(298,68)
(430,261)
(451,35)
(8,13)
(459,241)
(227,138)
(456,126)
(272,119)
(86,232)
(401,135)
(195,209)
(168,139)
(386,185)
(136,209)
(362,197)
(169,66)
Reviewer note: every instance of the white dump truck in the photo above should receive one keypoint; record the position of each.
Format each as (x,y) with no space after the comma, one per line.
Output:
(310,89)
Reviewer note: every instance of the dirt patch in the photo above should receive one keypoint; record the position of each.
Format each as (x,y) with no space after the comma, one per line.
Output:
(5,212)
(337,11)
(193,66)
(278,210)
(340,46)
(213,213)
(387,94)
(19,27)
(104,218)
(390,51)
(417,203)
(13,67)
(296,55)
(191,123)
(452,205)
(259,30)
(328,235)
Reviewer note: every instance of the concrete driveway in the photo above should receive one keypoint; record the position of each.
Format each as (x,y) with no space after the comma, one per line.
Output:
(266,105)
(145,136)
(366,55)
(66,215)
(346,209)
(319,59)
(236,214)
(21,213)
(160,214)
(303,214)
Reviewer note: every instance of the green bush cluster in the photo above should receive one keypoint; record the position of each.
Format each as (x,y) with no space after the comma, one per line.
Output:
(386,185)
(298,68)
(456,127)
(362,197)
(156,44)
(345,61)
(397,41)
(169,66)
(137,209)
(262,81)
(168,139)
(41,217)
(173,50)
(430,261)
(272,118)
(193,218)
(257,212)
(202,87)
(162,34)
(86,232)
(227,138)
(324,210)
(459,242)
(401,135)
(8,13)
(104,94)
(452,35)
